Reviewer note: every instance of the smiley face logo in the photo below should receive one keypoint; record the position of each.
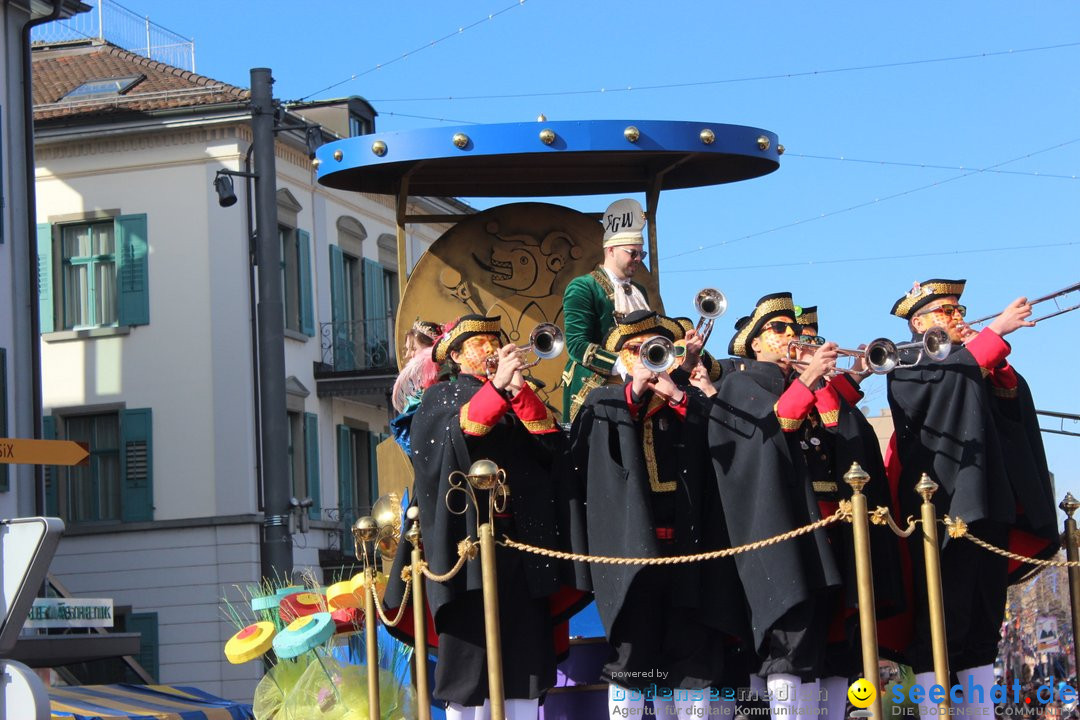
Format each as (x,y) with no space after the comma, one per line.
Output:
(861,693)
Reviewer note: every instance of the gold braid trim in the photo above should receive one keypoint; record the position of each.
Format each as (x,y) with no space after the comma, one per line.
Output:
(1007,393)
(542,425)
(486,327)
(471,426)
(825,486)
(648,444)
(842,513)
(656,322)
(957,528)
(830,417)
(602,279)
(787,424)
(928,291)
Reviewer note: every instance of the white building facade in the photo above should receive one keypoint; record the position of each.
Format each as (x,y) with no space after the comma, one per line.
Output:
(147,349)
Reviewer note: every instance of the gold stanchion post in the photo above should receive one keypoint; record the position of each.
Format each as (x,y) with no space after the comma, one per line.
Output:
(365,530)
(419,617)
(486,475)
(857,478)
(1070,505)
(932,559)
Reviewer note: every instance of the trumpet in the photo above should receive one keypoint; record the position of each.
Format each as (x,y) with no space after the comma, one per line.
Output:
(710,304)
(1052,296)
(803,343)
(546,341)
(657,354)
(883,355)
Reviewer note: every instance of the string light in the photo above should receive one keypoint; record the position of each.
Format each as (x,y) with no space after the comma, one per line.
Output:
(726,81)
(425,46)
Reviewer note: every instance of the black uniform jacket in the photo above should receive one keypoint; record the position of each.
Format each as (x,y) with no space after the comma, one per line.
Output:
(765,490)
(980,442)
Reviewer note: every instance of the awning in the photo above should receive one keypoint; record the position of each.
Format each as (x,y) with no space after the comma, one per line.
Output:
(142,702)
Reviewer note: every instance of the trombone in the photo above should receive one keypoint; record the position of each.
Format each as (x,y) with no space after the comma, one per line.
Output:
(1052,296)
(710,304)
(883,355)
(546,341)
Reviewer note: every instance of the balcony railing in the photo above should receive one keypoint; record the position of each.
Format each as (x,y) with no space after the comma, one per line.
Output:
(359,344)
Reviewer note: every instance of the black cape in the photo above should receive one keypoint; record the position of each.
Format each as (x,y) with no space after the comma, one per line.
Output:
(610,467)
(984,450)
(765,490)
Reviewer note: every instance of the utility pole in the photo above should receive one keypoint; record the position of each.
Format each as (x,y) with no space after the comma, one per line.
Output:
(276,543)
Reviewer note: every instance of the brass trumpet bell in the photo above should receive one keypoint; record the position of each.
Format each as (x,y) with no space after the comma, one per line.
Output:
(883,355)
(657,354)
(546,341)
(710,304)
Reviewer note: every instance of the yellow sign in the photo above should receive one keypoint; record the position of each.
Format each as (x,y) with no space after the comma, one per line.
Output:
(861,693)
(43,452)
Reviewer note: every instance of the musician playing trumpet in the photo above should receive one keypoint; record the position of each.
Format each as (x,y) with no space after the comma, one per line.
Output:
(968,420)
(641,460)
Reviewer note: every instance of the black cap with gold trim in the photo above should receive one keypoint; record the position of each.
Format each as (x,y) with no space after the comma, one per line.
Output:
(747,328)
(458,332)
(641,322)
(807,317)
(924,293)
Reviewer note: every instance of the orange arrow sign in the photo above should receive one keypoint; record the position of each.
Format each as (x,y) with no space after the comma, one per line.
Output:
(43,452)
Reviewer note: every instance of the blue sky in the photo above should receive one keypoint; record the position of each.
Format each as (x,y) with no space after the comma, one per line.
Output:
(923,139)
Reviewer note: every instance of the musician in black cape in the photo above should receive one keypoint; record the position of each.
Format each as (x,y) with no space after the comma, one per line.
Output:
(969,422)
(640,453)
(766,490)
(502,419)
(834,435)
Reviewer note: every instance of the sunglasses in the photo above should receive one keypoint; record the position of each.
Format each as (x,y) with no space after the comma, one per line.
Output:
(948,309)
(635,254)
(812,339)
(780,328)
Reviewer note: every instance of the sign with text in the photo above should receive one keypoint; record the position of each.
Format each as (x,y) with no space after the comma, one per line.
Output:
(43,452)
(70,612)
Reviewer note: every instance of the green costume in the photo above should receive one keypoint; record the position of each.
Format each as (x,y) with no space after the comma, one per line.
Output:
(588,307)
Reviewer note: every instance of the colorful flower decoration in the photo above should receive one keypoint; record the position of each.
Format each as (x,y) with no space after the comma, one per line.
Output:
(300,605)
(304,634)
(250,643)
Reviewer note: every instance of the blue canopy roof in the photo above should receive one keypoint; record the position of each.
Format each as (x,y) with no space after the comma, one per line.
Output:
(542,159)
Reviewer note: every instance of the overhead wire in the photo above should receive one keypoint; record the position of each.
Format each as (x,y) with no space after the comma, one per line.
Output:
(931,166)
(726,81)
(868,203)
(379,66)
(875,258)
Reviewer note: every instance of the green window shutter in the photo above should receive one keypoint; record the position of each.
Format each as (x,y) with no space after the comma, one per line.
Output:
(52,482)
(307,309)
(5,481)
(311,463)
(146,624)
(373,466)
(344,358)
(132,278)
(376,327)
(136,466)
(46,306)
(345,485)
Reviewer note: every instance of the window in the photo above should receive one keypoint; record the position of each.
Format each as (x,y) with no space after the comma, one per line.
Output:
(303,450)
(103,88)
(116,483)
(93,273)
(296,280)
(358,477)
(361,117)
(5,481)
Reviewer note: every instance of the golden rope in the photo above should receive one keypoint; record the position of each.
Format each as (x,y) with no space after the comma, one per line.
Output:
(842,513)
(467,550)
(958,529)
(401,608)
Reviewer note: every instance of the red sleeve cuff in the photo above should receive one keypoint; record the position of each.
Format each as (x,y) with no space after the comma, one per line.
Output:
(988,348)
(847,388)
(485,409)
(680,407)
(827,402)
(1003,381)
(532,412)
(793,406)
